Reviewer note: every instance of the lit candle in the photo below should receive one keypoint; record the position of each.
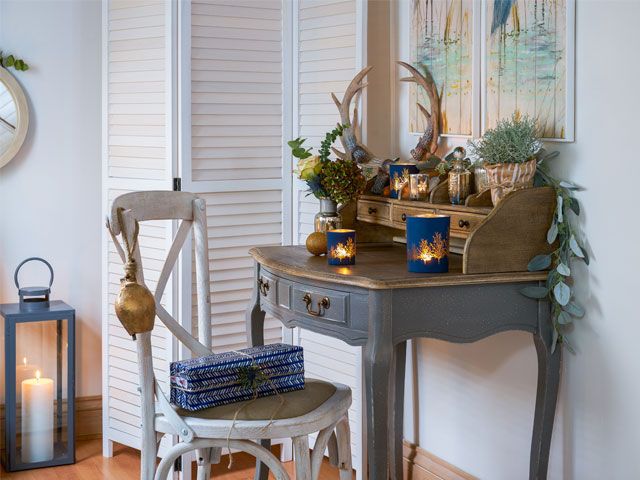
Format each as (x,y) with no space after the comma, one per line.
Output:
(419,186)
(341,247)
(428,243)
(23,371)
(37,419)
(399,177)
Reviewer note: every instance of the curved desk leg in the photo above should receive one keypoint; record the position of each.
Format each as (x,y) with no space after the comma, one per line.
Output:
(548,382)
(378,354)
(397,410)
(255,336)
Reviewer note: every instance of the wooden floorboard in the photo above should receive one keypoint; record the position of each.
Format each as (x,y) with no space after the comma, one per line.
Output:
(125,465)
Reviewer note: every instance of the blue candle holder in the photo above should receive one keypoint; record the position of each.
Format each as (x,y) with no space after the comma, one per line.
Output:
(399,177)
(341,247)
(428,243)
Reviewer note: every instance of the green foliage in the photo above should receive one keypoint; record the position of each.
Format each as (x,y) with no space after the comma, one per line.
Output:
(343,180)
(513,140)
(11,61)
(563,234)
(340,180)
(329,138)
(297,150)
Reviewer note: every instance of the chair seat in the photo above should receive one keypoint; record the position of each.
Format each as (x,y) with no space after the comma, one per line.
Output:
(293,404)
(320,403)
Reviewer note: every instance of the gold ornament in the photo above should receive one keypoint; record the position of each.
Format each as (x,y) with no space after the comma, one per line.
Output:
(317,243)
(135,305)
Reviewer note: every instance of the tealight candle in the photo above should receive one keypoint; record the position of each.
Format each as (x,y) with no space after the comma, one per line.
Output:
(399,177)
(418,186)
(428,243)
(341,247)
(37,419)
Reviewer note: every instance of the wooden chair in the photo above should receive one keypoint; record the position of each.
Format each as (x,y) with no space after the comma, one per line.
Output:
(321,407)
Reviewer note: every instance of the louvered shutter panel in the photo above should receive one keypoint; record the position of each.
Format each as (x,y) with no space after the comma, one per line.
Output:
(233,157)
(137,156)
(327,57)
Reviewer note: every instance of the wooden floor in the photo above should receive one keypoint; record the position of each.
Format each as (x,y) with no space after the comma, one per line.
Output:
(125,465)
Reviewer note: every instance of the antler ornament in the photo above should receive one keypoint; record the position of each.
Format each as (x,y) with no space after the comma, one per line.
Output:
(353,147)
(428,142)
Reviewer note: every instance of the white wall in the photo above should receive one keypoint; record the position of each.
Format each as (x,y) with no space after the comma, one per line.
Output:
(476,401)
(50,192)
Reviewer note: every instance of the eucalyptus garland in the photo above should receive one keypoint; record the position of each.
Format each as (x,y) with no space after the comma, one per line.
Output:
(565,235)
(11,61)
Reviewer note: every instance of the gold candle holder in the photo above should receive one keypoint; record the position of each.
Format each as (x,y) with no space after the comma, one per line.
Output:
(418,186)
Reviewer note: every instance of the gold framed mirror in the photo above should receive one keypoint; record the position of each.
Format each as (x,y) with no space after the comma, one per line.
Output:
(14,117)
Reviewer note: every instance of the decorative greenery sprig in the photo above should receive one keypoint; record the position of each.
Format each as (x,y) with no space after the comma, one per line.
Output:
(329,138)
(565,235)
(11,61)
(513,140)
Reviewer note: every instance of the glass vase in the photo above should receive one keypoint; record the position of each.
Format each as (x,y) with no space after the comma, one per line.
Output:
(328,217)
(459,183)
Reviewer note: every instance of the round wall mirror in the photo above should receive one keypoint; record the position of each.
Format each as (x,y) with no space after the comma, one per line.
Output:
(14,117)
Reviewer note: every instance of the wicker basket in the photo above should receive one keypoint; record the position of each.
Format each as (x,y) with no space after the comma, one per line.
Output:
(504,178)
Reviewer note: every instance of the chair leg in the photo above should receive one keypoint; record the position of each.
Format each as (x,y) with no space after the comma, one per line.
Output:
(206,457)
(302,457)
(343,435)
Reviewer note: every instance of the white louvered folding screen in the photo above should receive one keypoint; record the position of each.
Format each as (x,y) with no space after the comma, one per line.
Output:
(137,149)
(327,54)
(232,119)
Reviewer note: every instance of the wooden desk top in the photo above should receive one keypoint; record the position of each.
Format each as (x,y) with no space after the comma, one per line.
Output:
(377,267)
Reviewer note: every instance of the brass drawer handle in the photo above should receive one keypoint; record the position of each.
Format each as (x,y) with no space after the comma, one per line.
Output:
(323,304)
(263,286)
(403,217)
(372,210)
(463,223)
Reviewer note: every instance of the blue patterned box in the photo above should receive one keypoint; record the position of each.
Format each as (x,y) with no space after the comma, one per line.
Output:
(221,378)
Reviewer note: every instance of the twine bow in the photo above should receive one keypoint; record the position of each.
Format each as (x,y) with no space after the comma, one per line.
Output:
(252,377)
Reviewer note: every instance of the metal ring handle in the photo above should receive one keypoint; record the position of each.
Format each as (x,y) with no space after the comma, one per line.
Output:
(324,303)
(15,275)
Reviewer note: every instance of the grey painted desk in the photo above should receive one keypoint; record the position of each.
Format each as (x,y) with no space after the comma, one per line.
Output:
(378,305)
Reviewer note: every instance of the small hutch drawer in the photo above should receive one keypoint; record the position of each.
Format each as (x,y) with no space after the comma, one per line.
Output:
(373,211)
(400,213)
(464,222)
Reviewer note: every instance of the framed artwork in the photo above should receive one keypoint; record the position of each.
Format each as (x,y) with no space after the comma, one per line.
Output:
(492,58)
(443,39)
(529,48)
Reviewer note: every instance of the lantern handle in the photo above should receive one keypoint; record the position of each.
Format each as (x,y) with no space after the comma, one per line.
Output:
(15,275)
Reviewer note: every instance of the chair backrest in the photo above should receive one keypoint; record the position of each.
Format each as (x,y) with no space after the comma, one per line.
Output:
(190,210)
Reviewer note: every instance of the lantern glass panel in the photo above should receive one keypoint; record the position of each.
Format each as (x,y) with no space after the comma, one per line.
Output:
(36,394)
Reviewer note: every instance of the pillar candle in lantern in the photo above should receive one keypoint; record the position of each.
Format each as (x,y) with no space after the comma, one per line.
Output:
(399,177)
(341,247)
(37,419)
(428,243)
(418,186)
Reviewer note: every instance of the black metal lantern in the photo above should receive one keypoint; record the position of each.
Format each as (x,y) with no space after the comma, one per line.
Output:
(39,378)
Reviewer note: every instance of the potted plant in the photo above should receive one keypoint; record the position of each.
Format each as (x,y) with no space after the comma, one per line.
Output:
(331,181)
(508,151)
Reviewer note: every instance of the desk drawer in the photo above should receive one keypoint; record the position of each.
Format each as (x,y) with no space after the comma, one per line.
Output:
(321,303)
(373,211)
(267,287)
